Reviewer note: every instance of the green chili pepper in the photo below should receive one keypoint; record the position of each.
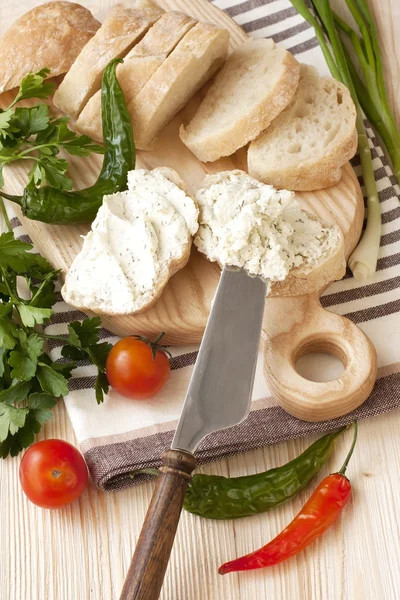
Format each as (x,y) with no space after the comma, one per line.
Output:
(216,497)
(50,205)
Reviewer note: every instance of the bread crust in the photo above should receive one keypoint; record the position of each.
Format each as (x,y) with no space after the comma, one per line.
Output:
(194,60)
(122,28)
(314,173)
(307,177)
(50,35)
(138,66)
(251,122)
(172,267)
(304,279)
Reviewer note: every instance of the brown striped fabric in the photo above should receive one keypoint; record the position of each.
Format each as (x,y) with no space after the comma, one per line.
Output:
(120,436)
(110,467)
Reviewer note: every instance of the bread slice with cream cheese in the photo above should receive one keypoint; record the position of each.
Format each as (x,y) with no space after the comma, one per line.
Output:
(138,240)
(250,225)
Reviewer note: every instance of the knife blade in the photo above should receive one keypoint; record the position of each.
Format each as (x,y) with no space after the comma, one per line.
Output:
(220,388)
(218,396)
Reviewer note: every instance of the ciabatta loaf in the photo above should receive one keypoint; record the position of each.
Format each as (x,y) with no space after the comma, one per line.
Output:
(247,224)
(138,240)
(256,83)
(50,35)
(139,65)
(122,28)
(305,147)
(194,60)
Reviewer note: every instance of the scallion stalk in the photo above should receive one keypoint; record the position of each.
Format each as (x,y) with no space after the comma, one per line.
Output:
(369,58)
(364,258)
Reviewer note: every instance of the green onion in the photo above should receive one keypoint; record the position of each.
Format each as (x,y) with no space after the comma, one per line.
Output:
(364,258)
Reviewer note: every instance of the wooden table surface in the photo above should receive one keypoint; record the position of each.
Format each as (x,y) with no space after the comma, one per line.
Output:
(83,551)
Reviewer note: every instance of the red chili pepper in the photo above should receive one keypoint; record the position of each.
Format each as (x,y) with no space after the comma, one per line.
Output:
(319,513)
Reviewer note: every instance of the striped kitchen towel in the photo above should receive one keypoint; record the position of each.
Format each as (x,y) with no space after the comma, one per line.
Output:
(121,435)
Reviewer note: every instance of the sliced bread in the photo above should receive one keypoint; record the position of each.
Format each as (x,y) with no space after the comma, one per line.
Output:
(250,225)
(305,147)
(50,35)
(122,28)
(256,83)
(194,60)
(138,240)
(139,65)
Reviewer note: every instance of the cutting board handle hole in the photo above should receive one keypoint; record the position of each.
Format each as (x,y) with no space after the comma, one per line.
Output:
(320,367)
(320,360)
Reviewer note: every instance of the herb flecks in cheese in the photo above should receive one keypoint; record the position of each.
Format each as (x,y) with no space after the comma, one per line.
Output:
(126,257)
(245,223)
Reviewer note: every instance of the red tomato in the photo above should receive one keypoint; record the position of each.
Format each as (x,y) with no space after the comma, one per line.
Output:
(53,473)
(132,369)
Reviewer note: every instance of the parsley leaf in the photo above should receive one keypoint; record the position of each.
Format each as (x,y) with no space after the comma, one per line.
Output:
(23,438)
(24,367)
(44,295)
(3,351)
(30,382)
(5,309)
(32,132)
(51,381)
(13,253)
(33,85)
(29,121)
(15,393)
(5,122)
(87,332)
(55,169)
(83,344)
(73,353)
(7,334)
(24,361)
(64,368)
(98,354)
(101,387)
(11,419)
(40,405)
(31,315)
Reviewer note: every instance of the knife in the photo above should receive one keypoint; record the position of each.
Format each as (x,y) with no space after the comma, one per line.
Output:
(218,397)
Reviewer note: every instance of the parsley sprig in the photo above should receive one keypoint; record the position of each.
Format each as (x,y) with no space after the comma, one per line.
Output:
(32,133)
(30,381)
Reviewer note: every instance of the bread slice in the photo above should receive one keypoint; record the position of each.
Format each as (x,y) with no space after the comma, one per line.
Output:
(256,83)
(122,29)
(194,60)
(139,239)
(139,65)
(250,225)
(305,147)
(50,35)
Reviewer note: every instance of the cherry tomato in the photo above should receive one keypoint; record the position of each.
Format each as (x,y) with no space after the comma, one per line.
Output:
(53,473)
(138,368)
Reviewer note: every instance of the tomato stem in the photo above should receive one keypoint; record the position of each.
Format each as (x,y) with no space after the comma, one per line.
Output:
(154,345)
(348,457)
(159,337)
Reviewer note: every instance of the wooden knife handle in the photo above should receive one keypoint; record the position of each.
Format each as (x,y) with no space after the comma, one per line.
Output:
(146,572)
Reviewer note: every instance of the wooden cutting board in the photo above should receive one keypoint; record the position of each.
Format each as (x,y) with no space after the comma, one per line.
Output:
(293,326)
